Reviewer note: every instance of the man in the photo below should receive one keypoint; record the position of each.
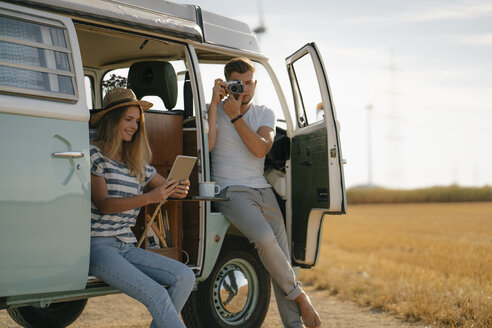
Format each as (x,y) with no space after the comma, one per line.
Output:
(240,135)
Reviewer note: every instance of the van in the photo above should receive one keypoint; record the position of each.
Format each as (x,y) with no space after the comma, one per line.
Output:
(57,60)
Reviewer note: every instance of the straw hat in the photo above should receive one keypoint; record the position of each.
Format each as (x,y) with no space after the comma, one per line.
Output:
(118,98)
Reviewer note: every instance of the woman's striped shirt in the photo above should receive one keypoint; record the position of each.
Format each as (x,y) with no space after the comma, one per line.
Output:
(120,184)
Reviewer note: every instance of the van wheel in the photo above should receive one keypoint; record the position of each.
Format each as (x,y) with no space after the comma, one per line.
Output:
(57,315)
(236,294)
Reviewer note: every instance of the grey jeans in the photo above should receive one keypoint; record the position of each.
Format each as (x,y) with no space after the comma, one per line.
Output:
(256,214)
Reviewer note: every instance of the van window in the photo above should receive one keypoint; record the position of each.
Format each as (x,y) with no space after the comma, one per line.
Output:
(89,91)
(35,58)
(118,78)
(310,108)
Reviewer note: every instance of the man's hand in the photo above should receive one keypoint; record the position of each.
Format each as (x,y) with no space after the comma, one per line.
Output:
(232,106)
(219,91)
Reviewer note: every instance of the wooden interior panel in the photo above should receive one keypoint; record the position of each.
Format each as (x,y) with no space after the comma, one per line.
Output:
(191,215)
(164,132)
(190,149)
(191,230)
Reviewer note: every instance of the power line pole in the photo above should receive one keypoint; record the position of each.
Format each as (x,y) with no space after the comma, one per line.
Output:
(394,137)
(369,108)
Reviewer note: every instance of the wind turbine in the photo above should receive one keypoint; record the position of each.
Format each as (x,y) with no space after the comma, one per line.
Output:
(261,29)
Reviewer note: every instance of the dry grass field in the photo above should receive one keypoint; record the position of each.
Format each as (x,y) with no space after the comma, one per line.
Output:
(427,262)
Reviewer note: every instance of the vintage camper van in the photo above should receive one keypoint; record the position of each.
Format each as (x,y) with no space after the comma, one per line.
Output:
(57,60)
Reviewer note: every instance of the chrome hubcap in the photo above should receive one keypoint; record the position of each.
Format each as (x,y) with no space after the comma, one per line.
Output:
(236,291)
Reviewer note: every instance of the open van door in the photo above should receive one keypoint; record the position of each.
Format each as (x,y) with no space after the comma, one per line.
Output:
(316,172)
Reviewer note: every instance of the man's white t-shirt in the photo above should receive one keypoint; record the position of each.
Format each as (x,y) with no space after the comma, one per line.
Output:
(232,163)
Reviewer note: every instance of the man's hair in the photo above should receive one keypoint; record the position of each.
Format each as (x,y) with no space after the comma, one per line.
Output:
(239,65)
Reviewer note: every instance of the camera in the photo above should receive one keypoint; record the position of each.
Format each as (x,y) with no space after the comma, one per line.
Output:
(235,86)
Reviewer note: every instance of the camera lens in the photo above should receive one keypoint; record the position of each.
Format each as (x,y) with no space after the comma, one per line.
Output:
(234,88)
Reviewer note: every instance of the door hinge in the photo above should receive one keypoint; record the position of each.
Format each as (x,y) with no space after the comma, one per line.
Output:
(333,152)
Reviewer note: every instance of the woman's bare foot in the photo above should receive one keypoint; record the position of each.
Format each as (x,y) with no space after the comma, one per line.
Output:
(310,317)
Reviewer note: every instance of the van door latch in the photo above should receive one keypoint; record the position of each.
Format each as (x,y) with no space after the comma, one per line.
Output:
(69,154)
(333,152)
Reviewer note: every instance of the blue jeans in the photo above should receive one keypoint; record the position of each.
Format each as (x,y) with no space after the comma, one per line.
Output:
(141,274)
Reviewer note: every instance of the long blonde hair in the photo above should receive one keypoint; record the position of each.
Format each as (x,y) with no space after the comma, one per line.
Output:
(136,154)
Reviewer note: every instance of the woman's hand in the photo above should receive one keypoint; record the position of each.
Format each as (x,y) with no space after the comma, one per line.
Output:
(182,189)
(163,192)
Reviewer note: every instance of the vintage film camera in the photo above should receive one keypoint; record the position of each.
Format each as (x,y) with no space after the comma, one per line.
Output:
(235,86)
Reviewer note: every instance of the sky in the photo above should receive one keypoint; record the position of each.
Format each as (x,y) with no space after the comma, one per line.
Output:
(423,67)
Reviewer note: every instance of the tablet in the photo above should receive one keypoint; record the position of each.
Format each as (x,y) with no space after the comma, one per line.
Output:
(182,167)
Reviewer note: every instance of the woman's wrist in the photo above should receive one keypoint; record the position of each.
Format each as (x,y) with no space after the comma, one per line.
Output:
(148,199)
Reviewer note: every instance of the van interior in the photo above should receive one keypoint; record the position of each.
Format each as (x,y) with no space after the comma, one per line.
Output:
(157,68)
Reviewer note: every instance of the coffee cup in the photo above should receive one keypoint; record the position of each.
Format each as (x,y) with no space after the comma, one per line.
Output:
(208,189)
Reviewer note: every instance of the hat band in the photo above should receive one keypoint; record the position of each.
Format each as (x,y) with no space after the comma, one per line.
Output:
(118,102)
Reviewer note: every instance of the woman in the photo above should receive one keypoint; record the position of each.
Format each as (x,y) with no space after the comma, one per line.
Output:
(120,154)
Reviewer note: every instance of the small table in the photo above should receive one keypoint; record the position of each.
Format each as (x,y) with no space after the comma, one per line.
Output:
(199,199)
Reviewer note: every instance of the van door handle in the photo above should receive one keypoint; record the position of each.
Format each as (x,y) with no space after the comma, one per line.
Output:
(307,163)
(69,154)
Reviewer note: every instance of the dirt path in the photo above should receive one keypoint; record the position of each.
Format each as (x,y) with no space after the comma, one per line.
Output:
(114,311)
(336,313)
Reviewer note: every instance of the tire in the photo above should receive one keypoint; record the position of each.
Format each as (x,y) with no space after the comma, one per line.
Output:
(57,315)
(220,301)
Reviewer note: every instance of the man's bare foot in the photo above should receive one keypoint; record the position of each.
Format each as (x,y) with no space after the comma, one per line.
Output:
(310,317)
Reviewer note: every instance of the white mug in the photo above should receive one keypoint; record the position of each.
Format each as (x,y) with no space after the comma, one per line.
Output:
(208,189)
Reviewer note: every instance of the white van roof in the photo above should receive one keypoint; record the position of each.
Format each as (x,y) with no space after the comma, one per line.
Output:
(187,22)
